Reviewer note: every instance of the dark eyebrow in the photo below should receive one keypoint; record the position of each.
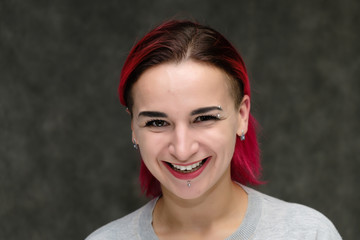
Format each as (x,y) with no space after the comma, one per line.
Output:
(152,114)
(205,110)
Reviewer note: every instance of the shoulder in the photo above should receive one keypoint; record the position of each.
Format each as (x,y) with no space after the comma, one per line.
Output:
(123,228)
(126,227)
(295,221)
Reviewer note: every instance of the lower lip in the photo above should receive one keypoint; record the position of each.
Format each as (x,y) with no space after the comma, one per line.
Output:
(187,176)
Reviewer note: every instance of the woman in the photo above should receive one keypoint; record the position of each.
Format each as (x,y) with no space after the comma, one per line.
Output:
(188,94)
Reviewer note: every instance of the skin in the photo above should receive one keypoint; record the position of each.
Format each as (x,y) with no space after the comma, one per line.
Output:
(176,119)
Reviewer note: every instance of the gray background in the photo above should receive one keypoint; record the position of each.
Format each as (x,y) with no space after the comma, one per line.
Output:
(66,160)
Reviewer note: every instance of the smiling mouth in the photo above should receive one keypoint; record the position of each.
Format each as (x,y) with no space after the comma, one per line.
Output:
(189,168)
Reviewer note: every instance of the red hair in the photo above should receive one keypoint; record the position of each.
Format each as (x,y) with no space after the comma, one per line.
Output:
(174,41)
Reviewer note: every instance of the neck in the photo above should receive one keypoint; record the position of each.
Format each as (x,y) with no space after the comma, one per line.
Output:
(223,204)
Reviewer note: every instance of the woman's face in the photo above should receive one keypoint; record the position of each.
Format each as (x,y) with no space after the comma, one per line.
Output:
(185,122)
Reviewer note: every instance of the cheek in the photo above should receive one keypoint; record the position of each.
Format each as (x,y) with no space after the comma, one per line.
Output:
(228,135)
(221,140)
(150,144)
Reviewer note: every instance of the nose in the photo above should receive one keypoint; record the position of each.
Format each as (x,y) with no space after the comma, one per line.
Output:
(183,144)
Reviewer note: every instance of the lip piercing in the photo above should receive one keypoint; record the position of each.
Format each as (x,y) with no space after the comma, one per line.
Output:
(188,183)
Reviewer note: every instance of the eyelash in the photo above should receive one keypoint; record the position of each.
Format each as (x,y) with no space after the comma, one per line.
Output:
(204,118)
(155,123)
(162,123)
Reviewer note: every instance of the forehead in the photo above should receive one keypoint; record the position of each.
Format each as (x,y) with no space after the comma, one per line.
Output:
(187,84)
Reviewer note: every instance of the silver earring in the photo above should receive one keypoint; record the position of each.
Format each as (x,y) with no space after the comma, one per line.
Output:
(189,183)
(136,146)
(242,137)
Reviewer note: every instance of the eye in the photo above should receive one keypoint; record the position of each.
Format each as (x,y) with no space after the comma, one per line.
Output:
(156,123)
(205,118)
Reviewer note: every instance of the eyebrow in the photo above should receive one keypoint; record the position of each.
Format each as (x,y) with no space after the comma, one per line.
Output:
(163,115)
(152,114)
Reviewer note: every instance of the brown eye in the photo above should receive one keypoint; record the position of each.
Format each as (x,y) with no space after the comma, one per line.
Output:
(206,118)
(156,123)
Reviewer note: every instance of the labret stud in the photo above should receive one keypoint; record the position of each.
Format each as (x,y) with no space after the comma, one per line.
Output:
(189,183)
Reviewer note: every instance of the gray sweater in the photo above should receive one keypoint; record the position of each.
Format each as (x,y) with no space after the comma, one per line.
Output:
(266,218)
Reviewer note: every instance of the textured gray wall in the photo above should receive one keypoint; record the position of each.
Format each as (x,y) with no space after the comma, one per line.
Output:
(66,160)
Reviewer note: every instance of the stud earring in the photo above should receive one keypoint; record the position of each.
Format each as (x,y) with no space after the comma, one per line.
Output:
(242,137)
(136,146)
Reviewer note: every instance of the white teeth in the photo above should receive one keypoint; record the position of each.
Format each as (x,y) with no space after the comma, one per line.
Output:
(187,168)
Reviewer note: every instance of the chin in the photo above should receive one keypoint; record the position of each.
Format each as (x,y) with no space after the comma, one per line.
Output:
(184,192)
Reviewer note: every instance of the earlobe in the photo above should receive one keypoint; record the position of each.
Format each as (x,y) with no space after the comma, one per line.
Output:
(128,111)
(133,135)
(134,141)
(132,130)
(136,145)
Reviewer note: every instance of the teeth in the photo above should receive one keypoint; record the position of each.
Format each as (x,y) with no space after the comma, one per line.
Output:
(186,168)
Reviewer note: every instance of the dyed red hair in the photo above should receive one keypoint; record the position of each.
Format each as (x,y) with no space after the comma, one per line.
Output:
(174,41)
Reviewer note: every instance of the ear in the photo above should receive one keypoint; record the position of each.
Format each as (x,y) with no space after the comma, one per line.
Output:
(133,137)
(131,125)
(244,112)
